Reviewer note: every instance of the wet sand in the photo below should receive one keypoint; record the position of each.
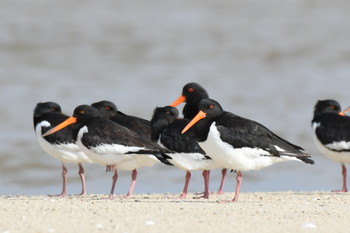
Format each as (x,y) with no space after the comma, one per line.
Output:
(255,212)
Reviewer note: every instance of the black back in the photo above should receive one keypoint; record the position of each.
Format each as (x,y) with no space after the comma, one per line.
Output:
(136,124)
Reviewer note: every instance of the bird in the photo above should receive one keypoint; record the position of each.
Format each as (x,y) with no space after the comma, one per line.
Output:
(138,125)
(61,146)
(240,143)
(187,154)
(331,131)
(110,144)
(192,94)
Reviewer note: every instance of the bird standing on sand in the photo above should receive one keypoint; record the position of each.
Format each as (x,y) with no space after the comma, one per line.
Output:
(331,129)
(192,94)
(110,144)
(187,154)
(62,145)
(138,125)
(239,143)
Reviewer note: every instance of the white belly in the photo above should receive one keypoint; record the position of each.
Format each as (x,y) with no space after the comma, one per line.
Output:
(67,153)
(192,162)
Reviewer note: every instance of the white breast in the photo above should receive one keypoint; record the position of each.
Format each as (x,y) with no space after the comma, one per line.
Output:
(67,153)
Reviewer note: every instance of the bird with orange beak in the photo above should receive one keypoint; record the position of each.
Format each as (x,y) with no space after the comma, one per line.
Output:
(331,129)
(239,143)
(192,94)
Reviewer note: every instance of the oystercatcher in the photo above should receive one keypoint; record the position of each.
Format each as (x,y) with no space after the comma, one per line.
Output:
(239,143)
(192,94)
(332,133)
(61,146)
(139,125)
(110,144)
(187,154)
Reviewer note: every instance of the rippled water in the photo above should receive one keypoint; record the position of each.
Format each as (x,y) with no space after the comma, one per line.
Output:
(266,60)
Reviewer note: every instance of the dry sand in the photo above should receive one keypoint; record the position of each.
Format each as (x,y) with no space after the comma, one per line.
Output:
(163,213)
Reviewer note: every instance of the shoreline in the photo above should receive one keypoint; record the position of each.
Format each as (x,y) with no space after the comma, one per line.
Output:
(255,212)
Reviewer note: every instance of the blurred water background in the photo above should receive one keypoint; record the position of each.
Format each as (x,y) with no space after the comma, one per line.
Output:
(266,60)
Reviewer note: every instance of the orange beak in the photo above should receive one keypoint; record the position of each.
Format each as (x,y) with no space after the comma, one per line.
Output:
(345,111)
(64,124)
(200,115)
(179,100)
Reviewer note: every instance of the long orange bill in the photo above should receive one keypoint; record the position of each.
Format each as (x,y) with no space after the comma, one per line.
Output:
(342,113)
(179,100)
(64,124)
(200,115)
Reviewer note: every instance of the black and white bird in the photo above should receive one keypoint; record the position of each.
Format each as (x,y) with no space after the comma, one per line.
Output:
(331,129)
(110,144)
(61,146)
(239,143)
(187,154)
(192,94)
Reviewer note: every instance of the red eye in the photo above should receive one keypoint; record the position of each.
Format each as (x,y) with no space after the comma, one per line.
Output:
(190,89)
(211,106)
(332,107)
(108,108)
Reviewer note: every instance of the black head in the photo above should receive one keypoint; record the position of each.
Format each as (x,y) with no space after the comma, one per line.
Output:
(84,113)
(208,110)
(162,117)
(167,114)
(46,107)
(193,92)
(106,108)
(326,106)
(211,107)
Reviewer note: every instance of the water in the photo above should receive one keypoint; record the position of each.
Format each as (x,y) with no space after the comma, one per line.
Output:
(266,60)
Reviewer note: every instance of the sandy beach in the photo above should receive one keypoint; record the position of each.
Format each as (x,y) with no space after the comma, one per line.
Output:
(255,212)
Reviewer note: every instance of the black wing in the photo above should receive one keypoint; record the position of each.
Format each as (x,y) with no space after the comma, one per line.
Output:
(174,140)
(136,124)
(241,132)
(103,131)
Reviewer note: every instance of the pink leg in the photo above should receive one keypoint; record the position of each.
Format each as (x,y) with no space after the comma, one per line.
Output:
(206,174)
(238,185)
(82,178)
(184,192)
(114,178)
(344,189)
(133,182)
(223,172)
(64,185)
